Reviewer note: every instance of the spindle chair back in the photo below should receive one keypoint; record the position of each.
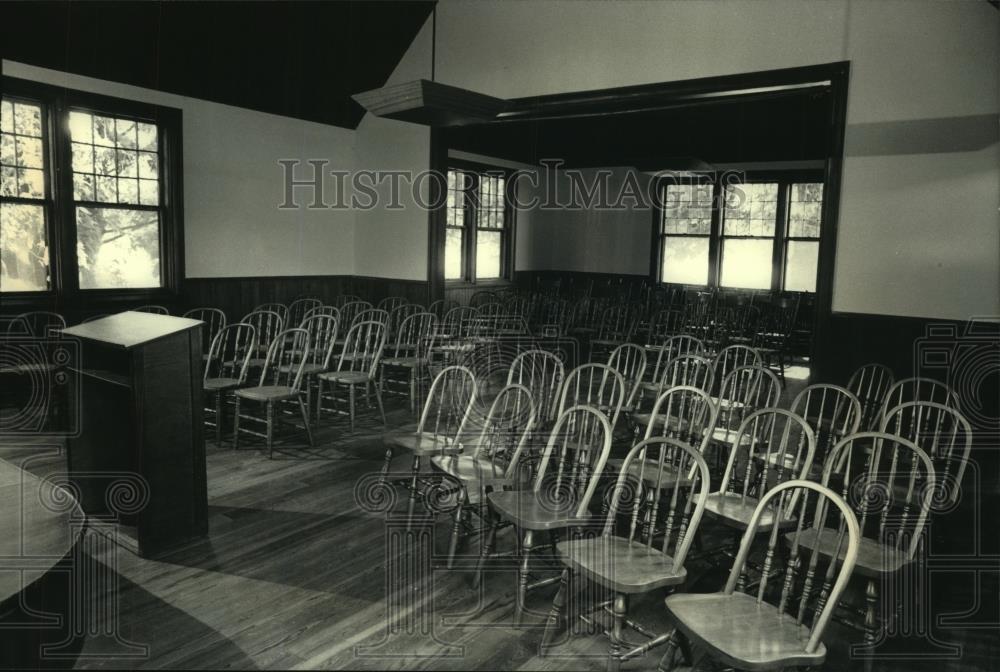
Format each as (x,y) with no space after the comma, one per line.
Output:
(542,372)
(664,324)
(279,308)
(371,315)
(671,347)
(943,433)
(156,310)
(918,389)
(744,390)
(350,310)
(685,413)
(343,299)
(870,383)
(596,385)
(732,357)
(774,629)
(629,360)
(391,303)
(332,311)
(267,324)
(322,330)
(226,364)
(399,314)
(214,320)
(832,412)
(299,309)
(482,297)
(441,307)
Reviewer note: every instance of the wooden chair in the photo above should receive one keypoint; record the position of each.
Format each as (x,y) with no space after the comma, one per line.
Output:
(399,314)
(279,308)
(358,364)
(917,389)
(553,318)
(744,390)
(214,320)
(629,360)
(455,336)
(732,357)
(280,381)
(299,309)
(617,326)
(226,365)
(943,434)
(349,311)
(629,561)
(441,427)
(541,372)
(343,299)
(831,412)
(332,311)
(870,383)
(663,325)
(692,370)
(891,484)
(567,476)
(322,331)
(157,310)
(758,632)
(494,459)
(267,325)
(371,315)
(391,303)
(482,297)
(441,307)
(414,339)
(668,349)
(596,385)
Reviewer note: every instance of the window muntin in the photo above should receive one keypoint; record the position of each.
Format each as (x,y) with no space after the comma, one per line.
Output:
(748,226)
(116,162)
(24,207)
(477,225)
(805,214)
(685,233)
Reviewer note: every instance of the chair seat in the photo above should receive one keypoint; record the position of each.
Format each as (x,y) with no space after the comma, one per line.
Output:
(874,558)
(649,472)
(216,384)
(405,362)
(268,393)
(727,404)
(475,473)
(733,510)
(725,435)
(425,444)
(741,632)
(622,565)
(346,377)
(536,511)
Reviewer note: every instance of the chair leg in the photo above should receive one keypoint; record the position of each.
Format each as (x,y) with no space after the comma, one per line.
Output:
(555,614)
(305,421)
(871,618)
(456,527)
(487,550)
(218,418)
(270,430)
(666,663)
(522,577)
(381,408)
(319,399)
(236,424)
(385,465)
(618,613)
(350,395)
(411,506)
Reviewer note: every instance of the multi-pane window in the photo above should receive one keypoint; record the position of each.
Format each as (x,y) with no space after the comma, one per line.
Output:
(685,233)
(89,195)
(477,225)
(748,226)
(24,204)
(116,192)
(765,235)
(805,206)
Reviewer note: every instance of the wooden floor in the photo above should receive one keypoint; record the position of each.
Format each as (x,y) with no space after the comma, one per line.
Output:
(296,574)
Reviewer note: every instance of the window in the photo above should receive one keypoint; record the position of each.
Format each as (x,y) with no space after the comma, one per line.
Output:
(116,192)
(748,226)
(478,225)
(685,234)
(24,206)
(94,183)
(765,236)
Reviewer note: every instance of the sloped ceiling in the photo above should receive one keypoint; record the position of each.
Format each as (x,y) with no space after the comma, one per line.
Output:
(296,59)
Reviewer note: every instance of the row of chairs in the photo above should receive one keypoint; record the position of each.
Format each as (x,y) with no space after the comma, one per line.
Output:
(765,488)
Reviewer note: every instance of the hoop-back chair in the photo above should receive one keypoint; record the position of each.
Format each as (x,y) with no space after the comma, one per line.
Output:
(279,308)
(629,360)
(692,370)
(214,320)
(772,630)
(299,309)
(596,385)
(226,365)
(391,303)
(832,412)
(542,372)
(322,338)
(568,473)
(917,389)
(156,310)
(280,381)
(414,339)
(625,559)
(494,460)
(357,365)
(267,325)
(870,383)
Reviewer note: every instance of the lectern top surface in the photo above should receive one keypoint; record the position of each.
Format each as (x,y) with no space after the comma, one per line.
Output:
(130,329)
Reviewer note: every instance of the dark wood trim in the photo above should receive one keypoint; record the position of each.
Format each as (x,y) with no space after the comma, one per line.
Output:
(437,217)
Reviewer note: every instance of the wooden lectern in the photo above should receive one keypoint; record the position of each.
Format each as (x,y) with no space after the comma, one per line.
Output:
(139,460)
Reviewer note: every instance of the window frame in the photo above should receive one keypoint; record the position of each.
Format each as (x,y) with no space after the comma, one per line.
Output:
(471,226)
(779,241)
(64,280)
